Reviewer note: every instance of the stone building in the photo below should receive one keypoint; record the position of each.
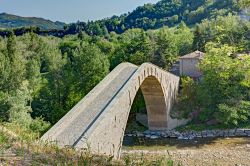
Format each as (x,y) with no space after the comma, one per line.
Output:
(188,64)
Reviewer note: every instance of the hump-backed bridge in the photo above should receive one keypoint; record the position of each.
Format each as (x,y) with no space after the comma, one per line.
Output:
(99,120)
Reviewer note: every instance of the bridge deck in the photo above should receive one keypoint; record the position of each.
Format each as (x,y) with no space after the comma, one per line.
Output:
(80,123)
(98,121)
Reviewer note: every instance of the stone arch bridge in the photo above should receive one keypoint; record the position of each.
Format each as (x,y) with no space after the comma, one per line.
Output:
(99,120)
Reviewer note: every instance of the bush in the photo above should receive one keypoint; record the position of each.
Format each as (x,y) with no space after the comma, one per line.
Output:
(234,114)
(223,93)
(187,101)
(38,125)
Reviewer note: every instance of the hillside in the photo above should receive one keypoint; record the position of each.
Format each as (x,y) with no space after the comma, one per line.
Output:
(163,13)
(150,16)
(13,21)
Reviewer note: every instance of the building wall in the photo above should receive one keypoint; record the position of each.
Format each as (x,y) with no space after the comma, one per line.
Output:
(189,67)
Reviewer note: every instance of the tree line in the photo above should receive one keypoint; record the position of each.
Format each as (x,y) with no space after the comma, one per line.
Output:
(43,77)
(150,16)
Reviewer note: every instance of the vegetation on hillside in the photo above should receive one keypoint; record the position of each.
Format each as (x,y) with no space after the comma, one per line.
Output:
(168,13)
(47,76)
(222,95)
(42,78)
(150,16)
(13,21)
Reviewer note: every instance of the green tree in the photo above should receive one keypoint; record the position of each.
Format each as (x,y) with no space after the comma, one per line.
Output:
(12,74)
(167,49)
(223,91)
(188,102)
(140,49)
(16,63)
(91,66)
(244,3)
(224,30)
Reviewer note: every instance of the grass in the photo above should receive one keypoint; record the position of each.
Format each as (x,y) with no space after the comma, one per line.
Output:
(3,138)
(20,146)
(151,148)
(142,160)
(200,127)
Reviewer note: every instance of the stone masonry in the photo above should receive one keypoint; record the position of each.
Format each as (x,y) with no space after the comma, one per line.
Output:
(189,135)
(98,121)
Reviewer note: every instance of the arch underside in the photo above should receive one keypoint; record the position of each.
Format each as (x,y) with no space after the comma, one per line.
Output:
(155,103)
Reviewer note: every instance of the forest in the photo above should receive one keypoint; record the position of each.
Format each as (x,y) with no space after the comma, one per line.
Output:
(150,16)
(44,73)
(43,77)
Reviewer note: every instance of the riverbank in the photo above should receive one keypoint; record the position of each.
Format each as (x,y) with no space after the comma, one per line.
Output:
(197,152)
(189,135)
(19,147)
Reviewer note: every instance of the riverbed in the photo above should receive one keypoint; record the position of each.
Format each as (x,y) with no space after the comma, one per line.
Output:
(206,151)
(133,143)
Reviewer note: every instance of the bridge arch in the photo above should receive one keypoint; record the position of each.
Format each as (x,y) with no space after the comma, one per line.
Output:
(155,103)
(99,120)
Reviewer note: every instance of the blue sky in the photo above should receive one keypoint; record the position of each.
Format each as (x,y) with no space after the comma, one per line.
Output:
(70,10)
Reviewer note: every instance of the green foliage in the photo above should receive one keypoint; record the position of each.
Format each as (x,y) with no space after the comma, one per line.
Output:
(161,47)
(222,89)
(149,16)
(12,21)
(92,66)
(164,13)
(43,77)
(38,125)
(222,30)
(171,43)
(18,82)
(188,101)
(223,92)
(134,46)
(3,139)
(244,3)
(69,74)
(234,113)
(19,108)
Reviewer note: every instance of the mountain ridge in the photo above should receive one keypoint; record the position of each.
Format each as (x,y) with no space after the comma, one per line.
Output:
(15,21)
(149,16)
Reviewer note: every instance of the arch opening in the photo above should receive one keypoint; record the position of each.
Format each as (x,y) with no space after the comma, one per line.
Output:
(137,118)
(148,110)
(155,103)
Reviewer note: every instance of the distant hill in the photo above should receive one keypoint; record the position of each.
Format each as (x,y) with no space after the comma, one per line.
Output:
(13,21)
(163,13)
(149,16)
(171,12)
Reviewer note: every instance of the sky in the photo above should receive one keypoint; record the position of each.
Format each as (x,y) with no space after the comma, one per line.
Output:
(70,10)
